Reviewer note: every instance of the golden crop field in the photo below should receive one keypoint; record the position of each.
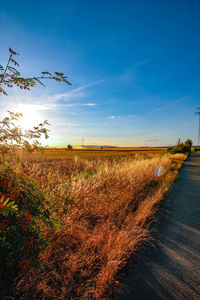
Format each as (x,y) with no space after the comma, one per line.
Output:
(62,153)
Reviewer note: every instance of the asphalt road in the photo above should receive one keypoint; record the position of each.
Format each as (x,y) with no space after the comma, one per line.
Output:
(171,269)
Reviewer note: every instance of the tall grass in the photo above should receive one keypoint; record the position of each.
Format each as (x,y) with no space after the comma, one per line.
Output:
(104,209)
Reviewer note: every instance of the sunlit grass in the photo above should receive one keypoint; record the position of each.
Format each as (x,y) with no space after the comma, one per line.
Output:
(61,153)
(104,208)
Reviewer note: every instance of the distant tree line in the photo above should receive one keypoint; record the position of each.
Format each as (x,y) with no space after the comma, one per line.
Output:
(181,147)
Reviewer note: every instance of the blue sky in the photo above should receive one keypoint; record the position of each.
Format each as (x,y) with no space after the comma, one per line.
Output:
(134,68)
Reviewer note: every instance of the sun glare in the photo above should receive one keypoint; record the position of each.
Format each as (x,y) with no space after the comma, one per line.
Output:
(31,116)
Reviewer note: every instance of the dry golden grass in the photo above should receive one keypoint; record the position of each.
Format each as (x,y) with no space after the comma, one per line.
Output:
(179,156)
(61,153)
(105,209)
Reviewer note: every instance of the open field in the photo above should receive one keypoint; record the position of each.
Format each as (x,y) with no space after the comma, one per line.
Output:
(61,153)
(103,209)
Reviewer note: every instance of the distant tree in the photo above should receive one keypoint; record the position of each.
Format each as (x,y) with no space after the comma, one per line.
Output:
(188,142)
(69,146)
(181,147)
(10,76)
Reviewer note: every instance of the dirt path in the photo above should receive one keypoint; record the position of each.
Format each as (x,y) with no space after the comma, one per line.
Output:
(171,269)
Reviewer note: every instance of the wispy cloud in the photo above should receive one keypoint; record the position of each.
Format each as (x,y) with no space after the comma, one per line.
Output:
(74,94)
(58,105)
(152,140)
(114,117)
(89,104)
(51,101)
(126,117)
(142,62)
(125,77)
(170,104)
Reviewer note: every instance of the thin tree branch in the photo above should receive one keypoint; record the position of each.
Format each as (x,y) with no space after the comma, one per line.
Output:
(6,68)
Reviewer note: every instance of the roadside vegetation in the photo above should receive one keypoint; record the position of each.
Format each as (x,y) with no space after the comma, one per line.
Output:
(102,210)
(68,226)
(181,147)
(196,149)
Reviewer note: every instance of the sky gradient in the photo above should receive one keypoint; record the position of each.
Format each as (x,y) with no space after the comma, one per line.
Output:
(134,68)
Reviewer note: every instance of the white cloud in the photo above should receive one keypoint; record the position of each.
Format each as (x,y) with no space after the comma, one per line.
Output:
(74,94)
(114,117)
(50,101)
(132,117)
(89,104)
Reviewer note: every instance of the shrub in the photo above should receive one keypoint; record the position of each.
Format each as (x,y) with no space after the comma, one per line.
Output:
(181,147)
(22,203)
(21,206)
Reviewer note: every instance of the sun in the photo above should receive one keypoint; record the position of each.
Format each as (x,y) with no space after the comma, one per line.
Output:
(31,116)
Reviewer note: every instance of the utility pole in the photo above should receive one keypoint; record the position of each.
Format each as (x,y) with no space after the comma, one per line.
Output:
(198,113)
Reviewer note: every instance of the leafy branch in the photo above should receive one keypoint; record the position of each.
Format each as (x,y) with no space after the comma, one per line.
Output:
(13,137)
(10,76)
